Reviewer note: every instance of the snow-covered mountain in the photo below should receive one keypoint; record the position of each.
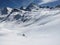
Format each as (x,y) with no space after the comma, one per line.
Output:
(32,6)
(29,15)
(22,14)
(36,26)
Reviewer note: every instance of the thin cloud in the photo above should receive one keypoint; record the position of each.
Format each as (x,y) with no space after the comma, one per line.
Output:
(46,1)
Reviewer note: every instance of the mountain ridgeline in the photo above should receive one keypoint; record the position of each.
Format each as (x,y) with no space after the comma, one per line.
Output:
(22,14)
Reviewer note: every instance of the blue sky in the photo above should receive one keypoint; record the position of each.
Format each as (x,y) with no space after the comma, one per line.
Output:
(16,3)
(19,3)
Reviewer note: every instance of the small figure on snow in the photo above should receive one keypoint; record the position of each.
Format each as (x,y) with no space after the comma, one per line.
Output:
(23,34)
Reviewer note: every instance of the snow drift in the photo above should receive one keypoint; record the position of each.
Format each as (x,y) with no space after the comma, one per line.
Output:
(41,26)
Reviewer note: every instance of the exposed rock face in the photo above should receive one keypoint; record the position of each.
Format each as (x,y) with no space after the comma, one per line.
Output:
(4,11)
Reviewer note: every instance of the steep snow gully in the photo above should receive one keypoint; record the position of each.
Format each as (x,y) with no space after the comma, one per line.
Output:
(35,27)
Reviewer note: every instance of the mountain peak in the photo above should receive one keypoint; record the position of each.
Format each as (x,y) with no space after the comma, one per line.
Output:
(9,9)
(5,10)
(31,6)
(22,8)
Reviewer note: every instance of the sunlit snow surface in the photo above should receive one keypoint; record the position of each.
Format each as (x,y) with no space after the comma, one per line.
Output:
(42,29)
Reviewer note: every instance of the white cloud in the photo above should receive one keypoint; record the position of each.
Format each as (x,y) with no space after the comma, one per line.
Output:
(46,1)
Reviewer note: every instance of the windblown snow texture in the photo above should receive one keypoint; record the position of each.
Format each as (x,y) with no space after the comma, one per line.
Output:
(30,26)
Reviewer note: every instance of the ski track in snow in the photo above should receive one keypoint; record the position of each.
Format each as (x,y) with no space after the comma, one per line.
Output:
(42,29)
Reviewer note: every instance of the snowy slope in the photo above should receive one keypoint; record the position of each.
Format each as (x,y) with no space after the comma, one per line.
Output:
(41,27)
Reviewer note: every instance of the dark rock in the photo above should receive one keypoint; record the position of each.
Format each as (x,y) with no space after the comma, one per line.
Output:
(4,11)
(58,6)
(15,10)
(17,16)
(30,6)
